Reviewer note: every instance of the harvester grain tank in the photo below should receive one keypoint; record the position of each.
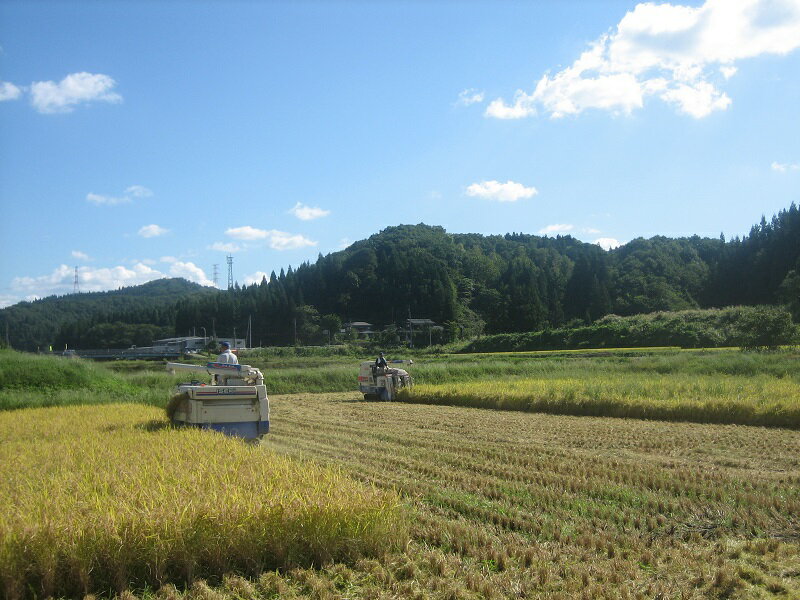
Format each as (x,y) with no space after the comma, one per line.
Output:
(383,383)
(236,403)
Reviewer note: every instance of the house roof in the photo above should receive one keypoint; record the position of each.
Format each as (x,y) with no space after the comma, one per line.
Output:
(420,322)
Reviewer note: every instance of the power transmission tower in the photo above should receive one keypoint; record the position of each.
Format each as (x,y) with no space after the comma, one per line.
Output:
(76,286)
(230,272)
(215,277)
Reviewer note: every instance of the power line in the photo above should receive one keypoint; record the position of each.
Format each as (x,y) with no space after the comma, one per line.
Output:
(215,278)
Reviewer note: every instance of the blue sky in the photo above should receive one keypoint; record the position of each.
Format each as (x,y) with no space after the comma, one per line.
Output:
(149,139)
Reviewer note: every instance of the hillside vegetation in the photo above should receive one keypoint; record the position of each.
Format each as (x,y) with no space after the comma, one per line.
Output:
(148,311)
(467,283)
(741,326)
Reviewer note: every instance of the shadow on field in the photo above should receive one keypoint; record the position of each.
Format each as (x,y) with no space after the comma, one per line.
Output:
(155,425)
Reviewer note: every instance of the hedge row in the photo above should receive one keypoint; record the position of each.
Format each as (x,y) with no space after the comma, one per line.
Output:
(742,326)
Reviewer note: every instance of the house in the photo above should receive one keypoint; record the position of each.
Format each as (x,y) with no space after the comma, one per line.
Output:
(363,329)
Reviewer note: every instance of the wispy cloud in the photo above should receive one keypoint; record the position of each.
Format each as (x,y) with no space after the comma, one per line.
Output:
(149,231)
(556,228)
(308,213)
(680,54)
(49,97)
(277,240)
(785,167)
(470,96)
(132,192)
(510,191)
(138,191)
(225,247)
(80,255)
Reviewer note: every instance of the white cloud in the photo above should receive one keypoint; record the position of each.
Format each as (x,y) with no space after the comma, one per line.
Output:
(344,243)
(149,231)
(591,230)
(50,97)
(523,107)
(307,213)
(133,191)
(255,277)
(277,240)
(223,247)
(61,279)
(679,54)
(7,300)
(168,259)
(138,191)
(247,233)
(280,240)
(80,255)
(469,96)
(785,167)
(190,271)
(556,228)
(510,191)
(607,243)
(9,91)
(100,200)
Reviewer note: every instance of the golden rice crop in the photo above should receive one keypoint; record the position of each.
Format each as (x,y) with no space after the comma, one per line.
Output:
(757,400)
(96,499)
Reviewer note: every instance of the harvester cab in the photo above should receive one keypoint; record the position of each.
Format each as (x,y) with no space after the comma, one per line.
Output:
(383,383)
(236,403)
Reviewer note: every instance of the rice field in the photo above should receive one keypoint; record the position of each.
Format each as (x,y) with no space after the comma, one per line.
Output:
(103,499)
(511,504)
(450,502)
(755,400)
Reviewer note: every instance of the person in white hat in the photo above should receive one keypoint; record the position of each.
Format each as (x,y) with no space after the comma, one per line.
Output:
(226,356)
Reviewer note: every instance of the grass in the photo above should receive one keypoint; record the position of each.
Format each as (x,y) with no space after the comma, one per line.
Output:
(103,499)
(29,381)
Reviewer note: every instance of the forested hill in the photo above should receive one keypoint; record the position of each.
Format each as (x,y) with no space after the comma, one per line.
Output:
(37,324)
(471,282)
(509,283)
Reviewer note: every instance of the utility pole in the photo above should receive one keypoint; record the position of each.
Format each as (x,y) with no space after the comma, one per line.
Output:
(230,271)
(215,277)
(76,286)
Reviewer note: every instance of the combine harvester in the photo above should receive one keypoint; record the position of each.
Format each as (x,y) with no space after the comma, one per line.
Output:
(378,383)
(236,403)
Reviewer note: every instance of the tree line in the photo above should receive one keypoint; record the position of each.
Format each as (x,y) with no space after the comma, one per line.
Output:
(469,284)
